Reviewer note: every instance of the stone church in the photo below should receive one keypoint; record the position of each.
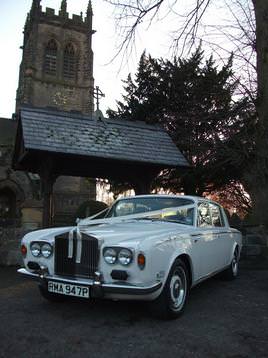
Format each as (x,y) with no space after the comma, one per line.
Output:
(56,72)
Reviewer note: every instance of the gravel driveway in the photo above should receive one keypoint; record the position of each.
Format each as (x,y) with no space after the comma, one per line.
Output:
(222,319)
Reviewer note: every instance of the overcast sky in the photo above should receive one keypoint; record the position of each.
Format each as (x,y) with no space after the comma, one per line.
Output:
(107,75)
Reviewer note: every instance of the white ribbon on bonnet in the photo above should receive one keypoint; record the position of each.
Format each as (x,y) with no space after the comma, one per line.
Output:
(83,224)
(78,245)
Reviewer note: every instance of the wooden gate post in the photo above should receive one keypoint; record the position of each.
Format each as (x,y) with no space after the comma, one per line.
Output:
(142,184)
(47,181)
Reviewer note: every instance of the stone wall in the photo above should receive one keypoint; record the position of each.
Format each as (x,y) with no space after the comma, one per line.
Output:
(255,242)
(56,91)
(10,245)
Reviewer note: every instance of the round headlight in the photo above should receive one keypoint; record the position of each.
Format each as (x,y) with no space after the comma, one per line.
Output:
(125,257)
(46,250)
(110,256)
(35,249)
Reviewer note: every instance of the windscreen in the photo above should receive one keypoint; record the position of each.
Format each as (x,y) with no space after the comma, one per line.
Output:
(132,206)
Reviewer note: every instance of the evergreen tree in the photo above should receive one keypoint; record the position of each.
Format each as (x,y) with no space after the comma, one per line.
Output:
(193,100)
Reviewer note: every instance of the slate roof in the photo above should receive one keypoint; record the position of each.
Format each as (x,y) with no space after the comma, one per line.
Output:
(73,133)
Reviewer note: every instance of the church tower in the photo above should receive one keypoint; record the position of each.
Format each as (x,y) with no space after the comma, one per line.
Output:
(57,72)
(57,61)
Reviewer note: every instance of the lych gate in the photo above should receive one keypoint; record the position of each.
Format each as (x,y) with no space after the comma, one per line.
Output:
(54,143)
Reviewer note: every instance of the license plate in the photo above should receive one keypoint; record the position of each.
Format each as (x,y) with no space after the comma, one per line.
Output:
(68,289)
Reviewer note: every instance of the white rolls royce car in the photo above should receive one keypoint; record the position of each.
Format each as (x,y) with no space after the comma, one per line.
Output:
(148,247)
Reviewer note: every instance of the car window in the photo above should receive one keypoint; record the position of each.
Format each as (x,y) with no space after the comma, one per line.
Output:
(204,218)
(182,216)
(216,217)
(144,204)
(210,215)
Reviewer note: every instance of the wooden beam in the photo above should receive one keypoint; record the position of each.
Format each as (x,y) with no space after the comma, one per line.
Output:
(47,180)
(142,182)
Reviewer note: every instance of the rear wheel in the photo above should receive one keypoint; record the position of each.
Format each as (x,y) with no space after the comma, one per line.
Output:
(171,302)
(49,296)
(232,271)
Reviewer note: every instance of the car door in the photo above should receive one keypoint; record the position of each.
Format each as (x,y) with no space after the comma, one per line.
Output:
(225,241)
(210,250)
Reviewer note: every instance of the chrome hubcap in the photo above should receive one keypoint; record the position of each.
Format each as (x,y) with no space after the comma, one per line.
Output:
(178,288)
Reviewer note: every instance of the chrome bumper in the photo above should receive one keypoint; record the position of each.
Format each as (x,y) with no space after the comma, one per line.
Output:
(99,289)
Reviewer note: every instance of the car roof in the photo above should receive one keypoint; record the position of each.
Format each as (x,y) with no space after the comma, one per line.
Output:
(194,198)
(191,197)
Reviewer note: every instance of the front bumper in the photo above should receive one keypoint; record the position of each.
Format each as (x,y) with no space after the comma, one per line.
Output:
(98,289)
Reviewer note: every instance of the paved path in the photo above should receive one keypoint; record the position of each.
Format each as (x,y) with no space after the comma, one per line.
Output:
(222,319)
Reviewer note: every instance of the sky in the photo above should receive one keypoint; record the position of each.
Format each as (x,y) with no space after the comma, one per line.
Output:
(108,75)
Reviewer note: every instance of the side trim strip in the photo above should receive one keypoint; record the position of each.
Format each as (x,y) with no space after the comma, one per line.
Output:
(211,232)
(209,275)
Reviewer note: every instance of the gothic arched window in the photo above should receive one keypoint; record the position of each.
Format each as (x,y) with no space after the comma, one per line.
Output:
(69,62)
(50,61)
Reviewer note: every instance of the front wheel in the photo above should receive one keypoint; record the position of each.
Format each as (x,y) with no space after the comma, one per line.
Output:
(171,302)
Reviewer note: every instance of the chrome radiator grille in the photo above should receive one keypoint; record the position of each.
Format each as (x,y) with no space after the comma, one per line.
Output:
(65,266)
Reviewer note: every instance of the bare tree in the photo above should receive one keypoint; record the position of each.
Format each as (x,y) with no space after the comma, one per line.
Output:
(248,32)
(130,14)
(235,34)
(258,176)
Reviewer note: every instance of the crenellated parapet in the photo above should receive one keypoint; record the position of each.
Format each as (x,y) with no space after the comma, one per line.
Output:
(61,18)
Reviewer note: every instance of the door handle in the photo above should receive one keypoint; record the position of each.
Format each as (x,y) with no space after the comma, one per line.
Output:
(196,237)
